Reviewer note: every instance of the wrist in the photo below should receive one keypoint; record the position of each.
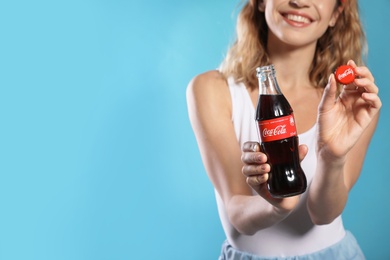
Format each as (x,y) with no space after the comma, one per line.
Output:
(331,160)
(281,211)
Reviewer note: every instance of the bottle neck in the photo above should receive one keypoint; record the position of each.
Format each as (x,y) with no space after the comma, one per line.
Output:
(268,84)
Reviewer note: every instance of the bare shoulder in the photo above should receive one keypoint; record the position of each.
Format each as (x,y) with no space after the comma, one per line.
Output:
(209,87)
(211,80)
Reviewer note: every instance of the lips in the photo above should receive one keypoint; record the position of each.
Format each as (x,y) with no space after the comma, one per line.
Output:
(297,19)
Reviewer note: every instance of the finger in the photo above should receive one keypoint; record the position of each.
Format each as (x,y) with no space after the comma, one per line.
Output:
(373,100)
(257,180)
(251,147)
(251,170)
(253,157)
(329,96)
(366,84)
(352,63)
(362,72)
(302,150)
(352,88)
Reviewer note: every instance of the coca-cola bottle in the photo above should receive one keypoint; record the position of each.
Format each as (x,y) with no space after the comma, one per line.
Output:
(278,137)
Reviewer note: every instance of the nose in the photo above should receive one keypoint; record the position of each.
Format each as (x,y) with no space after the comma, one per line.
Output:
(299,3)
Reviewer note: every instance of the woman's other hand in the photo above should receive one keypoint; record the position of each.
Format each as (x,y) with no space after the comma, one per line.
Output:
(342,119)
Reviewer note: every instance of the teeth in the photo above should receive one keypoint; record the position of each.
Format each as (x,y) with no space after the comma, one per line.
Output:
(298,18)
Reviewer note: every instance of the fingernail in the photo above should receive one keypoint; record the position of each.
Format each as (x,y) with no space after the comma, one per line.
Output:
(255,147)
(259,158)
(357,70)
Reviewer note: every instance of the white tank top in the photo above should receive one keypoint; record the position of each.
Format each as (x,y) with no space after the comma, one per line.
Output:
(295,235)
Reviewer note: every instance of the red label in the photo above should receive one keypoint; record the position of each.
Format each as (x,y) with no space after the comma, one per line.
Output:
(277,128)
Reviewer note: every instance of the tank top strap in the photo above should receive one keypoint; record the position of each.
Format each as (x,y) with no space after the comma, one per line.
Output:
(243,112)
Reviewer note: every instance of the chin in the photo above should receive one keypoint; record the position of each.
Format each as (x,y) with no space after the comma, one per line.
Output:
(298,39)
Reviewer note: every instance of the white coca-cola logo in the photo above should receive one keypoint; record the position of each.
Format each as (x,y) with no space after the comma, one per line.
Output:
(345,74)
(279,130)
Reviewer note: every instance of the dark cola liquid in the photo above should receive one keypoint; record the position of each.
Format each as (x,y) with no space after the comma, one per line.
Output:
(286,177)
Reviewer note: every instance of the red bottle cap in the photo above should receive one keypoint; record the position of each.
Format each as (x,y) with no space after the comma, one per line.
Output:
(345,74)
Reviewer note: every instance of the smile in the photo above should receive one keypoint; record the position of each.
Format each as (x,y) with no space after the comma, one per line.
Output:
(297,18)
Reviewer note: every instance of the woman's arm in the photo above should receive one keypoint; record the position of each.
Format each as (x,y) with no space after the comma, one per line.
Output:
(346,126)
(210,112)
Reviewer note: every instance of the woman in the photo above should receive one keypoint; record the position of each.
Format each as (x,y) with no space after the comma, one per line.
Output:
(306,40)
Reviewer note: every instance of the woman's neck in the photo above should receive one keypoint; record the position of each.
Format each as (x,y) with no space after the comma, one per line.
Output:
(292,64)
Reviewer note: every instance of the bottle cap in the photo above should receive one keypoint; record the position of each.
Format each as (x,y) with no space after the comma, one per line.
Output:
(345,74)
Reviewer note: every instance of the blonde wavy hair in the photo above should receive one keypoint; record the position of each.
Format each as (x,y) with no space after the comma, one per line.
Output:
(345,41)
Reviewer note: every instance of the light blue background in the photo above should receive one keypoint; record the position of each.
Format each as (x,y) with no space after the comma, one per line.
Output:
(97,156)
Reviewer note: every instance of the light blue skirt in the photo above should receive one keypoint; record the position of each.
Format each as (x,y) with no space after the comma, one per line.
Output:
(346,249)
